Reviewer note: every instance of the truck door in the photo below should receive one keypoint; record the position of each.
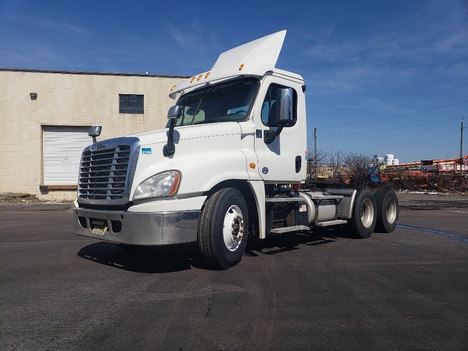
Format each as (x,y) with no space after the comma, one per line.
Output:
(283,159)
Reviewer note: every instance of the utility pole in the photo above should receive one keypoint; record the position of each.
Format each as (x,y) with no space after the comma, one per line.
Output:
(461,138)
(315,153)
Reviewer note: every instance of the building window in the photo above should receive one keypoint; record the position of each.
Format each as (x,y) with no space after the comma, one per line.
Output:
(129,103)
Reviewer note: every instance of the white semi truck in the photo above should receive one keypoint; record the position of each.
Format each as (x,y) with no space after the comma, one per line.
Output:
(231,163)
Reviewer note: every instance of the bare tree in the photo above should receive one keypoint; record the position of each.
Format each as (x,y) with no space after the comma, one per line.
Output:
(334,161)
(357,166)
(315,160)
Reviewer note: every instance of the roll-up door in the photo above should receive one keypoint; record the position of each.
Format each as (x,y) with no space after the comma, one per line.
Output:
(62,148)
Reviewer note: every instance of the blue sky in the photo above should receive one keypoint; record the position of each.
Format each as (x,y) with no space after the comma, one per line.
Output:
(383,77)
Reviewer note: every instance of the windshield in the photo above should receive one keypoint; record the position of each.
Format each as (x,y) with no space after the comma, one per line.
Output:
(227,101)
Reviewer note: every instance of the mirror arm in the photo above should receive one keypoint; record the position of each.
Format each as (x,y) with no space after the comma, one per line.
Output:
(270,136)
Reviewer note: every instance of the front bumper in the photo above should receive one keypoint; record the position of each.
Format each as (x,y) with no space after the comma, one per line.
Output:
(137,228)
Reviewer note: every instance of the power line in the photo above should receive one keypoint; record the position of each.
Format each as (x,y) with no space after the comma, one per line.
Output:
(391,129)
(396,116)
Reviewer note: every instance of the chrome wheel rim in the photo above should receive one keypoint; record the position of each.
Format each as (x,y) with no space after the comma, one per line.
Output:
(391,211)
(367,213)
(233,228)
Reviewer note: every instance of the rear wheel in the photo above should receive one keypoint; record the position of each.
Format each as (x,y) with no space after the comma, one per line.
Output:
(222,229)
(388,210)
(364,215)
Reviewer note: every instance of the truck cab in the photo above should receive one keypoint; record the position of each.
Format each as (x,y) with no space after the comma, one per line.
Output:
(230,162)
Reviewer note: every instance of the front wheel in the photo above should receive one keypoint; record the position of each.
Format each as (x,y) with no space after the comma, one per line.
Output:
(222,229)
(364,215)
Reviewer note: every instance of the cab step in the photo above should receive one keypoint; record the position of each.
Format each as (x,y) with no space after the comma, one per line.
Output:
(330,223)
(294,228)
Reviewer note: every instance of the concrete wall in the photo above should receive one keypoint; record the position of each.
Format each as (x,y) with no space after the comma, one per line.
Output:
(68,99)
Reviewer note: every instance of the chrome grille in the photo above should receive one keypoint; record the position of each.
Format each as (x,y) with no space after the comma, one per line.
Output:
(106,172)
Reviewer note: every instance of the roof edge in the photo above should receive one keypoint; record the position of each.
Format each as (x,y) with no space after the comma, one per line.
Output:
(91,73)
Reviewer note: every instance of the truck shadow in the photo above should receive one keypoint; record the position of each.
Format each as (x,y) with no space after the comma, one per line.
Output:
(175,258)
(142,259)
(292,241)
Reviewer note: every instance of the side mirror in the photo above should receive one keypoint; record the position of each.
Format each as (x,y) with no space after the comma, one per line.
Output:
(284,113)
(284,106)
(175,112)
(94,132)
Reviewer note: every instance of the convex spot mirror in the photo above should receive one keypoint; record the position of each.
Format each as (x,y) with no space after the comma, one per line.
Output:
(175,112)
(94,132)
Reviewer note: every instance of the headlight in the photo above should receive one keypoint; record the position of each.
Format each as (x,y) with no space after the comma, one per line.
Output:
(160,185)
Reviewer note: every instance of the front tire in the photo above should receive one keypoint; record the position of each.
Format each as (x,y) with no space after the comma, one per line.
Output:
(223,229)
(364,215)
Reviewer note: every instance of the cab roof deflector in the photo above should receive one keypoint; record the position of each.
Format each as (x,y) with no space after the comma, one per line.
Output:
(264,51)
(253,58)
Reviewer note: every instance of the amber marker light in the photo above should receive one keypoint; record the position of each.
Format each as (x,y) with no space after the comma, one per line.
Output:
(241,67)
(193,78)
(252,165)
(207,74)
(173,87)
(175,185)
(200,76)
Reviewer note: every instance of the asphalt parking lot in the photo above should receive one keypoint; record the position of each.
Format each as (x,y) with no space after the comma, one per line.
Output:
(407,290)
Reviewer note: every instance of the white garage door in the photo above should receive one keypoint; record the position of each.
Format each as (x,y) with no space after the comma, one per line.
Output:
(62,152)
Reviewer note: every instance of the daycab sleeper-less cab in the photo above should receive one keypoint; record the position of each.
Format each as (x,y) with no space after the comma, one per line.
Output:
(230,164)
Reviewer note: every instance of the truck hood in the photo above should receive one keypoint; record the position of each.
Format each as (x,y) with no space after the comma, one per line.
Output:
(152,137)
(205,154)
